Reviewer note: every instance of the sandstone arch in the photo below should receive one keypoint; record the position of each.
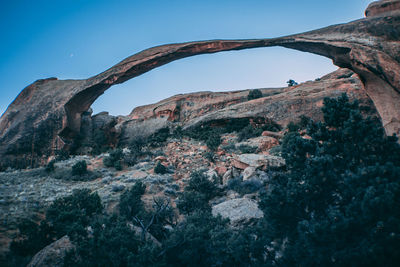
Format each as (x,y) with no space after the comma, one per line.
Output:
(369,46)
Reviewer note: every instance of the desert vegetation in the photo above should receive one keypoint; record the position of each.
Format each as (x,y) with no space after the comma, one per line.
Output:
(254,94)
(336,202)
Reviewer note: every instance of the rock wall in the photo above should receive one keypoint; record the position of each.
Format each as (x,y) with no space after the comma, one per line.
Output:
(280,105)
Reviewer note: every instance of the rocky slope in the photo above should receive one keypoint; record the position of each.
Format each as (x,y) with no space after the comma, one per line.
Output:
(26,193)
(48,114)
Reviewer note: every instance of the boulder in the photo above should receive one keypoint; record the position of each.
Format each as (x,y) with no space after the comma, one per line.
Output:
(227,176)
(117,187)
(262,143)
(238,211)
(258,161)
(211,175)
(161,159)
(221,170)
(239,165)
(272,134)
(147,236)
(53,255)
(267,142)
(249,172)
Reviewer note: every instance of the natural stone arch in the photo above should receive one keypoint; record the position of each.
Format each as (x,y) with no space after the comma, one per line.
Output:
(373,64)
(369,46)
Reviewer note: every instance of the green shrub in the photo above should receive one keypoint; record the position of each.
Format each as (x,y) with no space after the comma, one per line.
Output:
(210,135)
(73,212)
(213,141)
(235,125)
(163,215)
(66,174)
(229,147)
(50,166)
(249,132)
(118,165)
(244,187)
(69,215)
(243,148)
(291,83)
(254,94)
(209,155)
(122,241)
(76,144)
(159,137)
(136,146)
(80,168)
(178,132)
(204,240)
(200,133)
(62,155)
(113,243)
(132,208)
(197,193)
(293,127)
(199,182)
(337,111)
(191,201)
(301,125)
(100,142)
(114,159)
(160,168)
(339,199)
(276,150)
(130,201)
(272,126)
(32,237)
(130,157)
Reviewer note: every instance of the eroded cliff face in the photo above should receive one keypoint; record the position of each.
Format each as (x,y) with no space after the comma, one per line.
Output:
(47,115)
(381,8)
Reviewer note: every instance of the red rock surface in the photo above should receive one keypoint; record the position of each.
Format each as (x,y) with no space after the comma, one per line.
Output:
(379,8)
(48,113)
(292,102)
(185,107)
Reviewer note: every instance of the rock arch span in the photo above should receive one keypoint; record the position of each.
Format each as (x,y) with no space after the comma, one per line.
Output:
(370,47)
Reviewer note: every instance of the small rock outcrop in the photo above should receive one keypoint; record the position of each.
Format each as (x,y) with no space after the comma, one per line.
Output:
(47,114)
(53,255)
(239,210)
(244,161)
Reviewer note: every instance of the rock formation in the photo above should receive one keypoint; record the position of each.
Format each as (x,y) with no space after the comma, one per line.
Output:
(48,113)
(240,210)
(221,108)
(53,255)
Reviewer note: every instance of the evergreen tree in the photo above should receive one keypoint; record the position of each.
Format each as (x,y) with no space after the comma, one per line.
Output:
(254,94)
(339,202)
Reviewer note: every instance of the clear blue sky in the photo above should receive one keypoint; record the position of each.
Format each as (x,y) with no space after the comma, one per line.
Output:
(77,39)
